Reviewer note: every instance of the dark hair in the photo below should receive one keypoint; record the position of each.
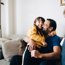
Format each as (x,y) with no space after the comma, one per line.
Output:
(52,24)
(40,30)
(38,18)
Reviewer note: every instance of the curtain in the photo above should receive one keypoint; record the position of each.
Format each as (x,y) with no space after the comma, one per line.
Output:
(7,18)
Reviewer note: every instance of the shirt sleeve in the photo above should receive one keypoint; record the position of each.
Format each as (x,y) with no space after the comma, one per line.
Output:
(56,41)
(32,34)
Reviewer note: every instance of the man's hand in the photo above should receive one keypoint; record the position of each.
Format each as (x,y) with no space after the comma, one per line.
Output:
(32,45)
(36,54)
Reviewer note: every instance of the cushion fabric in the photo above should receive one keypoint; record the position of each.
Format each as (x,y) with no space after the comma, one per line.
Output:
(10,48)
(2,40)
(4,62)
(22,45)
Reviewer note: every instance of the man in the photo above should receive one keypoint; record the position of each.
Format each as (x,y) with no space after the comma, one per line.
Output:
(48,54)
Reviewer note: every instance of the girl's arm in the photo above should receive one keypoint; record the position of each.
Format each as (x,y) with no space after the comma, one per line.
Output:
(27,39)
(52,33)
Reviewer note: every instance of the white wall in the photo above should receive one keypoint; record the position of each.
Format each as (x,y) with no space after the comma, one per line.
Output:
(20,15)
(28,10)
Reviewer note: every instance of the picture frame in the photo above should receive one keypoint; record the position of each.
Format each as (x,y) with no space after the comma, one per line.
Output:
(62,2)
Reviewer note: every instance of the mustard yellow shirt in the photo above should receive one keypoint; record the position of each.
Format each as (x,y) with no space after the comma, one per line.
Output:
(32,34)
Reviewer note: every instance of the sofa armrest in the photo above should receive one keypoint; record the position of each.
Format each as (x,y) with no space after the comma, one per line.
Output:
(1,55)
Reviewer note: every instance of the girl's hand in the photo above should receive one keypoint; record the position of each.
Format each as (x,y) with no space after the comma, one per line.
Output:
(51,34)
(44,43)
(32,46)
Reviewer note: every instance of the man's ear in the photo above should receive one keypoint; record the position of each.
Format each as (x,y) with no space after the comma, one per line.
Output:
(51,28)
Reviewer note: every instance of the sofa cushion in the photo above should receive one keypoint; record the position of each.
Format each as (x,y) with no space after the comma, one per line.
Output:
(4,62)
(10,48)
(2,40)
(0,44)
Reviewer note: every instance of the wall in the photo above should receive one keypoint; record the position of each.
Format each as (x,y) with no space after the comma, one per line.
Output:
(0,20)
(7,18)
(0,13)
(28,10)
(23,12)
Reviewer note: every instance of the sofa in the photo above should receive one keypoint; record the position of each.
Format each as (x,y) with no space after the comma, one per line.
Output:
(3,61)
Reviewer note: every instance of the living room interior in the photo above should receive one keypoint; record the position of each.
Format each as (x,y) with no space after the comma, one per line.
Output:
(18,15)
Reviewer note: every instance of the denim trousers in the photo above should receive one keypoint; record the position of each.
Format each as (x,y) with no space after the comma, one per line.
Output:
(16,60)
(28,60)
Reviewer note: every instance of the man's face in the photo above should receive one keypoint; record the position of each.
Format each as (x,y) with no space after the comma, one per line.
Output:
(46,25)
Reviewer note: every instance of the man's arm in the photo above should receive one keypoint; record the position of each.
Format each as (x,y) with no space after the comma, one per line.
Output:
(26,39)
(53,55)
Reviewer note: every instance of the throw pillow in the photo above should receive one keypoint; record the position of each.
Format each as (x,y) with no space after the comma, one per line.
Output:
(10,48)
(0,44)
(22,45)
(2,40)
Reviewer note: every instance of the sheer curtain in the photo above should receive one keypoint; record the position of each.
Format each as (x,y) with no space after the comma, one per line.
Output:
(7,18)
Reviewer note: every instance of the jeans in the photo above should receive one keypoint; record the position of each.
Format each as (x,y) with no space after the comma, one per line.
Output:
(28,60)
(16,60)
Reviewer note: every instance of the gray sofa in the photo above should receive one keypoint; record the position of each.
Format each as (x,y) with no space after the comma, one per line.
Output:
(4,62)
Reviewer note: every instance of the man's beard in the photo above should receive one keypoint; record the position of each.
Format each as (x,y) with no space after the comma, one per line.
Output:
(45,32)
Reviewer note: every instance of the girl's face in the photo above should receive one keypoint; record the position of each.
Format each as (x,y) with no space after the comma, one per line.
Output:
(39,24)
